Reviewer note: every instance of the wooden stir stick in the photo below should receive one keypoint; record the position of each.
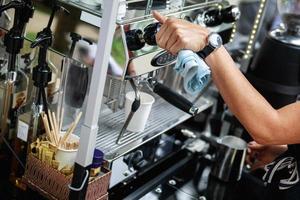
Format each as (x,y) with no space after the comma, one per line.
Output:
(47,128)
(53,131)
(70,130)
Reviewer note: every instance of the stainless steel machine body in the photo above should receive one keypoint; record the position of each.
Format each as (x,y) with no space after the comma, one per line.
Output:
(126,64)
(130,62)
(131,56)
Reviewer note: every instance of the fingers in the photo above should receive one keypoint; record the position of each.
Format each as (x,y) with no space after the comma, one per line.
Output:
(256,165)
(251,154)
(255,146)
(159,36)
(177,34)
(167,36)
(249,160)
(176,47)
(159,17)
(171,41)
(165,30)
(253,159)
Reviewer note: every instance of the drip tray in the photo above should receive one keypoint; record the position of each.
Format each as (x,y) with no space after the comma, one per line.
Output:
(162,118)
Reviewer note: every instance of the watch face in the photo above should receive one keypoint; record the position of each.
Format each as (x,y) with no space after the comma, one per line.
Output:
(215,40)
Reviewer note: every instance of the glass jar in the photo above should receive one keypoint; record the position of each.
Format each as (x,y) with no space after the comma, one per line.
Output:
(290,14)
(73,92)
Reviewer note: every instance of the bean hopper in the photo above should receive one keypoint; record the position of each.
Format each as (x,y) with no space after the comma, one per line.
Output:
(138,64)
(275,68)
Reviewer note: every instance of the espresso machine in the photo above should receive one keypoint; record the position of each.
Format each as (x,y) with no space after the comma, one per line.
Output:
(274,70)
(139,64)
(135,63)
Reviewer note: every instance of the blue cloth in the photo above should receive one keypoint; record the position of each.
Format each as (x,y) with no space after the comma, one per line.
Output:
(195,72)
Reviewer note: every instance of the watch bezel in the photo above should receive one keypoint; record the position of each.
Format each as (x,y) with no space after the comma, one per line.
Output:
(215,40)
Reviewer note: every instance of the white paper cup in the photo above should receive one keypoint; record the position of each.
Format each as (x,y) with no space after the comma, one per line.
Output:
(67,157)
(140,117)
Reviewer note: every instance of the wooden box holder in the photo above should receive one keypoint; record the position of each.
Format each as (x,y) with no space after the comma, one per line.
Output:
(52,184)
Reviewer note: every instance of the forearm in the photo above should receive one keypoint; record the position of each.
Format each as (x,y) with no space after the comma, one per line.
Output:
(265,124)
(247,104)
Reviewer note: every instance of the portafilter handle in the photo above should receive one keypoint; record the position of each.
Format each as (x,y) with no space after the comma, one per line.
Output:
(173,98)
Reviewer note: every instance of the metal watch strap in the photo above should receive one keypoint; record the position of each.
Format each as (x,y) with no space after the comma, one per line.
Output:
(205,52)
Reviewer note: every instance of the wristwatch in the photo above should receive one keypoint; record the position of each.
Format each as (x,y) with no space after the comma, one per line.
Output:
(214,42)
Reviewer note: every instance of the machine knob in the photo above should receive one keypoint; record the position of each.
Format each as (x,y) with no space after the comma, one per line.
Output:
(215,17)
(212,17)
(150,33)
(135,40)
(230,14)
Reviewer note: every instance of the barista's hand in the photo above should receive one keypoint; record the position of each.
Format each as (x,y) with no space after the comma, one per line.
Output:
(261,155)
(177,34)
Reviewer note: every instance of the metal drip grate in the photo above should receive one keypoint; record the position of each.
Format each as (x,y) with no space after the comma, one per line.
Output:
(162,118)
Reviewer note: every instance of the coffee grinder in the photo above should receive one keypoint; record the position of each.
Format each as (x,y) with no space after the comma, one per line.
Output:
(275,69)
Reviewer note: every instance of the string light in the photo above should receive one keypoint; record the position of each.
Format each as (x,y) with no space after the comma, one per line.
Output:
(233,32)
(254,30)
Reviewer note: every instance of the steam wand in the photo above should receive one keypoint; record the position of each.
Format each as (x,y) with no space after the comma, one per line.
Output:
(134,107)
